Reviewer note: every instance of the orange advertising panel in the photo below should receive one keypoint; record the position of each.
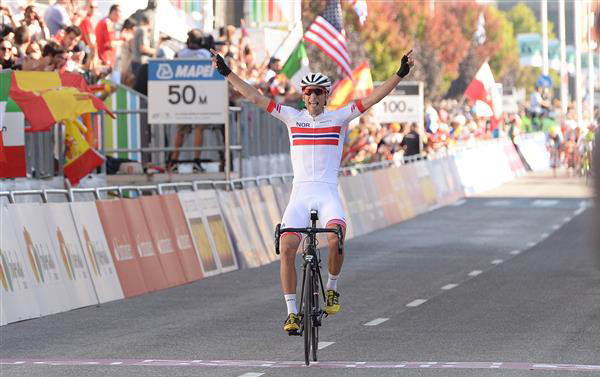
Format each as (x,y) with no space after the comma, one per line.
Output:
(180,232)
(382,183)
(124,256)
(164,243)
(154,275)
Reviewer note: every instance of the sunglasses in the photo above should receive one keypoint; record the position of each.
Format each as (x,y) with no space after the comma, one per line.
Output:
(2,48)
(317,91)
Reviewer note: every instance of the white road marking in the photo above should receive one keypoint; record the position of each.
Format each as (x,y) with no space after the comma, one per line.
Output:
(324,344)
(515,252)
(19,362)
(531,244)
(498,203)
(416,303)
(567,219)
(545,235)
(556,227)
(448,287)
(579,211)
(117,363)
(497,261)
(250,374)
(458,203)
(376,322)
(475,272)
(544,203)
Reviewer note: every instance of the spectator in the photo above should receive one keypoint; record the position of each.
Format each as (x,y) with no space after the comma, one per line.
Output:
(71,42)
(106,36)
(537,105)
(273,68)
(127,32)
(35,24)
(6,11)
(411,142)
(150,13)
(7,58)
(141,50)
(22,40)
(195,47)
(88,36)
(57,17)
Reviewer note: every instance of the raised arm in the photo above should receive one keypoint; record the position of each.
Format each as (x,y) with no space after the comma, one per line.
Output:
(247,90)
(389,85)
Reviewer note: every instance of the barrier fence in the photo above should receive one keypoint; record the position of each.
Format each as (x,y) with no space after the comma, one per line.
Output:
(97,245)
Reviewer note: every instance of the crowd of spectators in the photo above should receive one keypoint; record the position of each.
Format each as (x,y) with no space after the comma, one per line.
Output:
(69,36)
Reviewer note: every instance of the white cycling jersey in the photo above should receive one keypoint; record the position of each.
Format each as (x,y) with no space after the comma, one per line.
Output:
(316,144)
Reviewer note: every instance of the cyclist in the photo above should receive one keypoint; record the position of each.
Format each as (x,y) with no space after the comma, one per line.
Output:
(316,141)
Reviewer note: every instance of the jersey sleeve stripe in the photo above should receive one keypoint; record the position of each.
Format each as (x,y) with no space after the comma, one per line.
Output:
(271,106)
(360,106)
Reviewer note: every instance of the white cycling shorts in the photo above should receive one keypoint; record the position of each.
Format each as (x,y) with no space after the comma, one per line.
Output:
(324,197)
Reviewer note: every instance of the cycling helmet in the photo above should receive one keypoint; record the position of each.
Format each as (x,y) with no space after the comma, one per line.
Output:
(316,79)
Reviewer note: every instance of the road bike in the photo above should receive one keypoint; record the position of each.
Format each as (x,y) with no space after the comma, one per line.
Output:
(310,312)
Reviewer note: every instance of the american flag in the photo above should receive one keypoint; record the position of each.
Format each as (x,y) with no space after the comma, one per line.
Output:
(327,33)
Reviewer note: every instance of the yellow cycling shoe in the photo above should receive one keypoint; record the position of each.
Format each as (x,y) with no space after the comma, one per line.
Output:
(292,324)
(333,302)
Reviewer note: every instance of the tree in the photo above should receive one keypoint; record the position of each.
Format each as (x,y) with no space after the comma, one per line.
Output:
(524,21)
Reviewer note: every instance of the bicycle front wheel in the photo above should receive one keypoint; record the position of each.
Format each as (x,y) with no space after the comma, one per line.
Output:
(307,320)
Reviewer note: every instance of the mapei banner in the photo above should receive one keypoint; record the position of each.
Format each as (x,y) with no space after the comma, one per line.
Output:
(186,91)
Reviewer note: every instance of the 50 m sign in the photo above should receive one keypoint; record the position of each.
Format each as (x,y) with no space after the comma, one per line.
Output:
(186,91)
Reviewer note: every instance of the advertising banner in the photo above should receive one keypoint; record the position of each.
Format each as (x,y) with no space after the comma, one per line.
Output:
(121,246)
(154,274)
(216,229)
(268,194)
(426,182)
(63,235)
(400,189)
(355,201)
(390,208)
(183,238)
(374,199)
(452,177)
(413,185)
(438,177)
(265,252)
(40,257)
(186,91)
(260,212)
(96,251)
(192,208)
(162,238)
(19,299)
(247,252)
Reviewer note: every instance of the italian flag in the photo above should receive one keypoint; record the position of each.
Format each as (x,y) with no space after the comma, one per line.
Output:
(296,65)
(12,137)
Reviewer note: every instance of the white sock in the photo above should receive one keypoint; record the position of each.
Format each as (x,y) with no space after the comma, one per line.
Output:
(332,281)
(290,301)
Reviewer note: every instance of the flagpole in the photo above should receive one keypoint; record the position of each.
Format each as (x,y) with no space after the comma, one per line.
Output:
(285,39)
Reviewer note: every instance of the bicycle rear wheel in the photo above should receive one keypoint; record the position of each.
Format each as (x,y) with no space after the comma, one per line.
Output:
(307,320)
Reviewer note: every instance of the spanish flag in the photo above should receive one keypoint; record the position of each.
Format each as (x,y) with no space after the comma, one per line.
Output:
(359,86)
(81,159)
(50,97)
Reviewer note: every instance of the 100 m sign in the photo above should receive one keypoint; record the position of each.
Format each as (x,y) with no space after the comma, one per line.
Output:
(185,94)
(394,106)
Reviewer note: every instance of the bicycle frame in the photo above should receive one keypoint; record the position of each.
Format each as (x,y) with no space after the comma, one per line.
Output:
(310,313)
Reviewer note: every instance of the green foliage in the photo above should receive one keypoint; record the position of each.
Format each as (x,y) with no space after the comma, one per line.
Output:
(524,21)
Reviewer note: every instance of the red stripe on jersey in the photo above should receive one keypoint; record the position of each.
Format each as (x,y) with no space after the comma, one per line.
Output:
(315,142)
(360,106)
(271,106)
(323,130)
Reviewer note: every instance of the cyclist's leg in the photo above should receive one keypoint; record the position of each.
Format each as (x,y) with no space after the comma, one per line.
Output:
(332,214)
(295,216)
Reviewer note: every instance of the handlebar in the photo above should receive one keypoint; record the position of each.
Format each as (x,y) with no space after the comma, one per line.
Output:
(337,230)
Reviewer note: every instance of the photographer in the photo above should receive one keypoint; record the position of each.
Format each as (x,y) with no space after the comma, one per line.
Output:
(197,45)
